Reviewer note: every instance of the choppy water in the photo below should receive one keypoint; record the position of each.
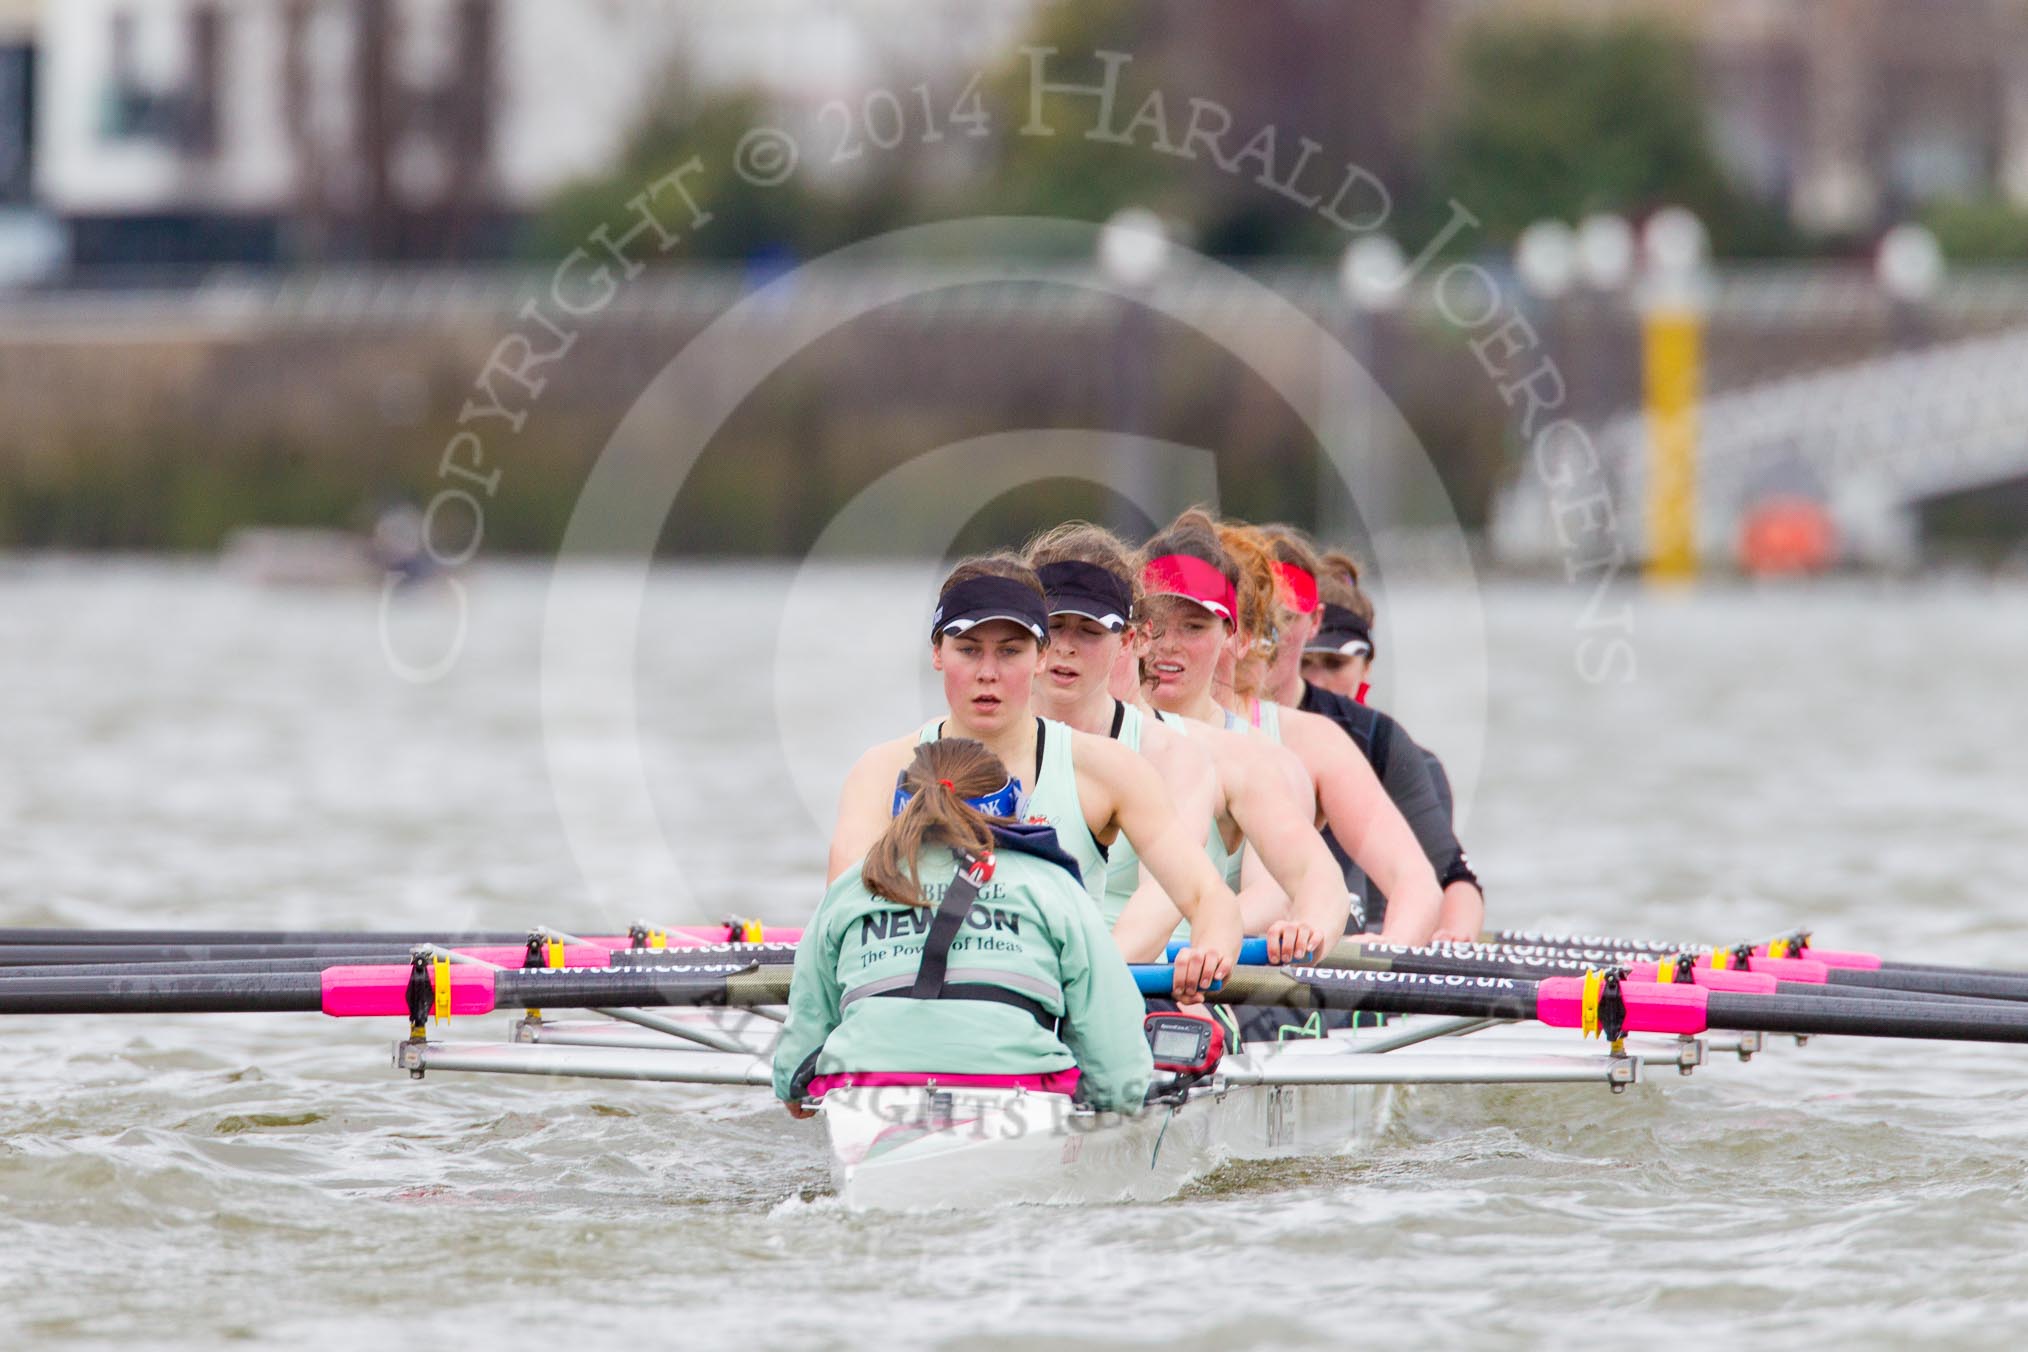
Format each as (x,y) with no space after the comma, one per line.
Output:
(180,748)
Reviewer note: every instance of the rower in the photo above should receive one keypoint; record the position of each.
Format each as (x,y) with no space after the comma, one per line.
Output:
(1335,636)
(1092,586)
(1217,622)
(986,639)
(997,970)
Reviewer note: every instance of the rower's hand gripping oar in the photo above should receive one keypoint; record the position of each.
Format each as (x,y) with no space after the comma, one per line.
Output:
(1252,953)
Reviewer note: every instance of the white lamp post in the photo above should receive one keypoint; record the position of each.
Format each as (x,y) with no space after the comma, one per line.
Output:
(1909,264)
(1133,247)
(1370,273)
(1133,250)
(1605,251)
(1545,259)
(1372,277)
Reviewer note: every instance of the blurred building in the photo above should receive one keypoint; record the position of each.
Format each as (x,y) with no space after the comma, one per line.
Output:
(263,130)
(17,100)
(32,246)
(1847,112)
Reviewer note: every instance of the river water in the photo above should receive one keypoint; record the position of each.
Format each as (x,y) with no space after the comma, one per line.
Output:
(182,748)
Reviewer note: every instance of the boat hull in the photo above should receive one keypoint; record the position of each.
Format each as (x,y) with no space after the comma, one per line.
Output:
(923,1148)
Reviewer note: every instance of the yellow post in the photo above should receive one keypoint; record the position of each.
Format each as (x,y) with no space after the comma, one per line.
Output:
(1672,341)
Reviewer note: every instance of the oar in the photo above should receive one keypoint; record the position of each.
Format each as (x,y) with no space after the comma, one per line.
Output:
(1793,945)
(1594,1002)
(40,955)
(1766,976)
(1763,976)
(183,937)
(1842,968)
(573,955)
(20,947)
(1609,1006)
(442,987)
(167,957)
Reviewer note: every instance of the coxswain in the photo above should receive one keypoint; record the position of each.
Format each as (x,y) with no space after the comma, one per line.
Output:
(965,949)
(986,640)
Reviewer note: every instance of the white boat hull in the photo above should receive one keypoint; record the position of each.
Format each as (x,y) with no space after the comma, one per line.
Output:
(924,1148)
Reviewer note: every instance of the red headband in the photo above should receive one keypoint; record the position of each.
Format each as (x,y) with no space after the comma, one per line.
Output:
(1193,579)
(1297,585)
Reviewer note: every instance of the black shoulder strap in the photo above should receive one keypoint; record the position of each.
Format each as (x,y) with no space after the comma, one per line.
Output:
(951,914)
(1119,719)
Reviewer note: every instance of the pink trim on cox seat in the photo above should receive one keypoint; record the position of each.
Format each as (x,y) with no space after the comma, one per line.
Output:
(359,992)
(1675,1008)
(1055,1082)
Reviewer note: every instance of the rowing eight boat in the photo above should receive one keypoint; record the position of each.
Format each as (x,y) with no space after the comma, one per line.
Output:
(1459,1017)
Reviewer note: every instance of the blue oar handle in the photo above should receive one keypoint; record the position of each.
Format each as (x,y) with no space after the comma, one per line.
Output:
(1158,978)
(1252,953)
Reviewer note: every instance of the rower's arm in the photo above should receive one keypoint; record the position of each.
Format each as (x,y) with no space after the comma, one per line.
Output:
(1146,922)
(1463,914)
(1415,783)
(1369,827)
(1187,772)
(1414,794)
(865,807)
(1277,825)
(1149,918)
(816,1006)
(1141,805)
(1262,900)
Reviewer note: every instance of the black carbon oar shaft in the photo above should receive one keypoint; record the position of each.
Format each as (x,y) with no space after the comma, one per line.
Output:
(765,954)
(733,983)
(221,967)
(40,955)
(1509,998)
(1388,957)
(587,987)
(166,993)
(177,938)
(1986,985)
(1536,939)
(1489,997)
(1650,947)
(1993,1022)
